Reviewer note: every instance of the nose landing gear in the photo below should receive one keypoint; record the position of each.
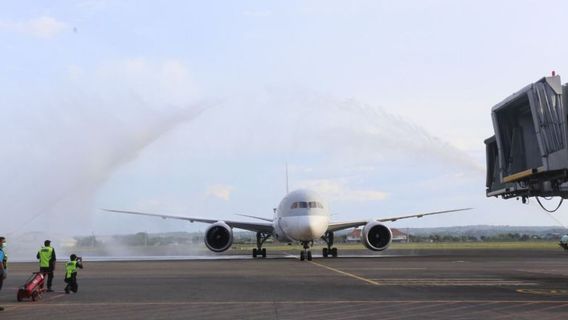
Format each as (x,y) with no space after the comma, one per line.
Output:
(306,253)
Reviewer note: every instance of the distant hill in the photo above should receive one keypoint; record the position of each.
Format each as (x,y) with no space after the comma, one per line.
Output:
(487,231)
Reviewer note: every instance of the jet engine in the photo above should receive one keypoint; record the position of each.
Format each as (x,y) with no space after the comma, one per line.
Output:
(376,236)
(219,237)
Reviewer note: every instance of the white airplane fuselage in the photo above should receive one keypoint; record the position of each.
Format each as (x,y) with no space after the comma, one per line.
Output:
(302,215)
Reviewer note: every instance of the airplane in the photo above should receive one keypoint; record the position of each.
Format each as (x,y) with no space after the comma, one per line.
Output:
(302,216)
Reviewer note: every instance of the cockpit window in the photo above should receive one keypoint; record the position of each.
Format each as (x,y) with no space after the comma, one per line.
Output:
(311,204)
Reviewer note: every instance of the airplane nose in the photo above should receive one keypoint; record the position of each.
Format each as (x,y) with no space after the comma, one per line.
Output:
(306,228)
(315,227)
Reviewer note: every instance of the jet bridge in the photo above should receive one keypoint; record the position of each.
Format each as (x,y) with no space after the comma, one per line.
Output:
(528,155)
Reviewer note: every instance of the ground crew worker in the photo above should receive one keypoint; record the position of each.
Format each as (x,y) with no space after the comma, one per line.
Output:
(71,273)
(46,256)
(3,264)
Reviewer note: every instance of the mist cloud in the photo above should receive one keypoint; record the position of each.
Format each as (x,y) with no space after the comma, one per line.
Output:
(59,147)
(339,191)
(303,122)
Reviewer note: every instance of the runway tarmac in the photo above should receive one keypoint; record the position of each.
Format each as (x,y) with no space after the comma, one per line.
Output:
(457,284)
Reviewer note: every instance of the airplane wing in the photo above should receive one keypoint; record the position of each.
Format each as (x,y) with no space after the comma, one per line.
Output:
(354,224)
(264,227)
(255,217)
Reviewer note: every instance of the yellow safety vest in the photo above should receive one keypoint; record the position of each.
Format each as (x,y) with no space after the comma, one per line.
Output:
(45,255)
(70,268)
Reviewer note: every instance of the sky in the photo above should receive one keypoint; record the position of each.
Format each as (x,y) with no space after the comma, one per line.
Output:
(194,108)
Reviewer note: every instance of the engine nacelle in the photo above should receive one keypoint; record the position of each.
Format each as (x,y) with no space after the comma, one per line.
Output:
(219,237)
(376,236)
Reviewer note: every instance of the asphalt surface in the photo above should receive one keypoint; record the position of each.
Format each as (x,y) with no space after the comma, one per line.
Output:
(465,284)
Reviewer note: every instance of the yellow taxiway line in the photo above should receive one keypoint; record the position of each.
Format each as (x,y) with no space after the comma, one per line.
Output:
(346,273)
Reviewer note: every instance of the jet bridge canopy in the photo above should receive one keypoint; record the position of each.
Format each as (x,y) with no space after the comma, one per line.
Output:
(528,155)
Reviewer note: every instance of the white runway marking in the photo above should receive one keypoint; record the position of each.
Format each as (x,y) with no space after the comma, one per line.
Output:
(452,282)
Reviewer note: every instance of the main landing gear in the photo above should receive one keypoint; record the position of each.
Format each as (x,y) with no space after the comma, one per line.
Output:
(306,253)
(329,251)
(259,250)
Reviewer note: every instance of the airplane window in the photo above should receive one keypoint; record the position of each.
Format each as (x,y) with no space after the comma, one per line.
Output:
(313,204)
(320,205)
(295,205)
(303,204)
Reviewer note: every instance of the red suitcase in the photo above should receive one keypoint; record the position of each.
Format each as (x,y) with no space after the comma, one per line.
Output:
(33,288)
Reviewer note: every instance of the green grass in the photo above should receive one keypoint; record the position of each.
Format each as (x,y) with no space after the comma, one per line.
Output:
(517,245)
(513,245)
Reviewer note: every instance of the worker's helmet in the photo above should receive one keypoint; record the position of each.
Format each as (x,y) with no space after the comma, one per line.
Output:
(73,257)
(47,243)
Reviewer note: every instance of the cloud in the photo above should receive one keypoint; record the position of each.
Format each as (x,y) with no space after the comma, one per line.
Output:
(44,27)
(220,191)
(339,191)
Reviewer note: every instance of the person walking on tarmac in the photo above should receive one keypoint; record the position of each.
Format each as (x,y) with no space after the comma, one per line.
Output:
(3,264)
(71,273)
(46,256)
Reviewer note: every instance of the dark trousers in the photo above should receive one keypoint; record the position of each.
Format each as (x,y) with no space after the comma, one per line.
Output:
(49,272)
(72,283)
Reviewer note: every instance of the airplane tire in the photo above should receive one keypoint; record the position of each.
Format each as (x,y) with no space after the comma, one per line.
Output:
(254,253)
(324,252)
(309,256)
(264,252)
(302,256)
(334,252)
